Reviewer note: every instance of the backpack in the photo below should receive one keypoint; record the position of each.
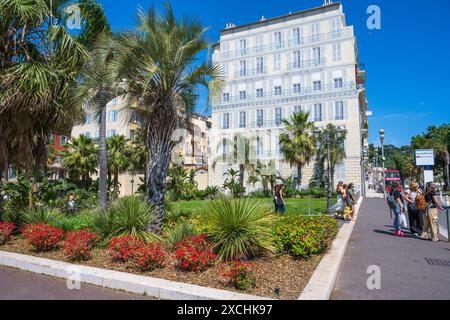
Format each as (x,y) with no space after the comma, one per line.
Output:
(391,201)
(421,202)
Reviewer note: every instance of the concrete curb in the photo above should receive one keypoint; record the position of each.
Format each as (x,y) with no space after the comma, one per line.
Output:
(322,281)
(158,288)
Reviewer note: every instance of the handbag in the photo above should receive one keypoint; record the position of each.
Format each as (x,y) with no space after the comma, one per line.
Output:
(402,220)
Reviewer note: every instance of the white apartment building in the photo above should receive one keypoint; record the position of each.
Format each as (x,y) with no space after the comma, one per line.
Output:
(307,61)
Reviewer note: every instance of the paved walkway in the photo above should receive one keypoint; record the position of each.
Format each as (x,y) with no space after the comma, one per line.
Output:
(410,268)
(21,285)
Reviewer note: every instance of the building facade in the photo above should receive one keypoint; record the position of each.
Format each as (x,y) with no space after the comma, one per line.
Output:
(306,61)
(120,120)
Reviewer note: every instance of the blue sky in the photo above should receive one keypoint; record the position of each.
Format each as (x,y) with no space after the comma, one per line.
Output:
(407,61)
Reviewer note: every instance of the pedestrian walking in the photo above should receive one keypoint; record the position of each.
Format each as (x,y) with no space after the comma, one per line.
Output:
(351,200)
(72,202)
(396,204)
(280,204)
(414,214)
(430,216)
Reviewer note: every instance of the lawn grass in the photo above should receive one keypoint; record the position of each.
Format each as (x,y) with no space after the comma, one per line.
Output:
(293,205)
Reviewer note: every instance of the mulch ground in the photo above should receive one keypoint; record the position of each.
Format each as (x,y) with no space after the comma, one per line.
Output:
(281,271)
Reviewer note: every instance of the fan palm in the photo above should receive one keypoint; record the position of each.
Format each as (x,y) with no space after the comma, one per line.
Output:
(40,60)
(81,158)
(336,145)
(297,144)
(157,67)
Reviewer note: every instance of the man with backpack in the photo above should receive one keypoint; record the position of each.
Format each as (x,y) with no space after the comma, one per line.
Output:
(429,205)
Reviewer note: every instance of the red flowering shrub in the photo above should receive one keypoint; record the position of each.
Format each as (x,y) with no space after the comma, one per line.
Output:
(123,248)
(78,244)
(148,256)
(6,229)
(42,237)
(195,253)
(240,274)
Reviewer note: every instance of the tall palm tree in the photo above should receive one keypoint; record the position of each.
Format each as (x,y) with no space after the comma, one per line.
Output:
(336,147)
(40,60)
(297,143)
(80,159)
(242,154)
(266,174)
(158,68)
(117,159)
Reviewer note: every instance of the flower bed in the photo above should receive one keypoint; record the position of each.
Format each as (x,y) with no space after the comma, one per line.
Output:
(193,260)
(6,229)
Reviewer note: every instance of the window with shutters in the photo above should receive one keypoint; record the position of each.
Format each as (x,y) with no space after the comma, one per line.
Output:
(242,95)
(226,121)
(336,51)
(338,83)
(318,112)
(339,110)
(296,88)
(278,116)
(277,90)
(259,65)
(317,85)
(259,118)
(242,119)
(259,93)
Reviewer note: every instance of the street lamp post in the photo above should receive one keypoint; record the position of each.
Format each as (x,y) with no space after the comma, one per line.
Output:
(381,132)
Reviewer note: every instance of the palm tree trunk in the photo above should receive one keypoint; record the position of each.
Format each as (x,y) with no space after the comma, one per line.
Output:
(241,174)
(159,146)
(103,175)
(299,175)
(447,168)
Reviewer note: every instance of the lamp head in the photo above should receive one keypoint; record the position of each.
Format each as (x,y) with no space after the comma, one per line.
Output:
(381,132)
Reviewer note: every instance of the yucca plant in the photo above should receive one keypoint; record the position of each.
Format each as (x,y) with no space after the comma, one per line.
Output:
(44,215)
(240,228)
(128,216)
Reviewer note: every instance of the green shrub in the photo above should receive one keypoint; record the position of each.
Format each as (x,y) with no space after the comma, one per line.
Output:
(240,228)
(83,220)
(303,236)
(260,194)
(128,216)
(42,215)
(14,215)
(177,234)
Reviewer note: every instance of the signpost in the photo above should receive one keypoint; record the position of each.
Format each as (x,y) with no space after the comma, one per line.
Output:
(425,158)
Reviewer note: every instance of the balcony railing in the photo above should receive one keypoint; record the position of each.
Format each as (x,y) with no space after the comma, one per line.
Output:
(250,73)
(291,43)
(306,64)
(289,93)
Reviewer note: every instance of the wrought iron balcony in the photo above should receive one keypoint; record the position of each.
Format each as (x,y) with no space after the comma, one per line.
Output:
(250,72)
(290,93)
(291,43)
(266,123)
(306,64)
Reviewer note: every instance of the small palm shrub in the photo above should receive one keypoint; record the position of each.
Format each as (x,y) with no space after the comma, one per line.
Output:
(240,228)
(128,216)
(6,229)
(78,244)
(303,236)
(42,237)
(180,232)
(44,215)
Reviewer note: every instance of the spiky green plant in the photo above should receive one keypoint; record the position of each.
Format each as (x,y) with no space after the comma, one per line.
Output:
(240,228)
(128,216)
(178,233)
(46,216)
